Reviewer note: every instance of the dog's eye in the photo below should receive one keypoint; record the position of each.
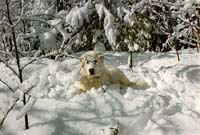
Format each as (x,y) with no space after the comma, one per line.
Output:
(95,61)
(87,62)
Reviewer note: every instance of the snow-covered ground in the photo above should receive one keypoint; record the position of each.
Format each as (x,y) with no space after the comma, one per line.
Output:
(170,106)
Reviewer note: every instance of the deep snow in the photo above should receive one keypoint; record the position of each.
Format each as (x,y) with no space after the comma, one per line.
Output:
(170,106)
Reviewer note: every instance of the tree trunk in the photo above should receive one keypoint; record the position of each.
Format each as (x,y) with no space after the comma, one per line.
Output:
(17,57)
(177,54)
(131,59)
(198,25)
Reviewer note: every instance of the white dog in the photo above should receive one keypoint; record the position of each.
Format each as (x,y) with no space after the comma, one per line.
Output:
(94,74)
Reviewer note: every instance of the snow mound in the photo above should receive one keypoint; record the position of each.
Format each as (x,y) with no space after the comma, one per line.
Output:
(169,106)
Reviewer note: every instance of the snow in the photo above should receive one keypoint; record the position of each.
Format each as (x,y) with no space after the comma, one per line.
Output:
(100,10)
(99,45)
(26,108)
(197,1)
(130,16)
(48,40)
(42,7)
(77,15)
(187,5)
(169,106)
(139,5)
(109,27)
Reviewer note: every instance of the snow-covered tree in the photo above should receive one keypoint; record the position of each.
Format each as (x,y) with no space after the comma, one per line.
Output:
(72,26)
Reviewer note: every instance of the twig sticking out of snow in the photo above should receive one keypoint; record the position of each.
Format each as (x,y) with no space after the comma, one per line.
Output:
(113,129)
(130,60)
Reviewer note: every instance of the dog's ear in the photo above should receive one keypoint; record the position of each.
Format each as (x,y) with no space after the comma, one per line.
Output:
(82,63)
(82,58)
(101,56)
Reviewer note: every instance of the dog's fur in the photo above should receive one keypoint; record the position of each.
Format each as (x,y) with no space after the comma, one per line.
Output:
(94,74)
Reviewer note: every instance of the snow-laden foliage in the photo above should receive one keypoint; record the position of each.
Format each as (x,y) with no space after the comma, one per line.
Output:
(98,41)
(71,26)
(45,7)
(77,16)
(130,14)
(110,30)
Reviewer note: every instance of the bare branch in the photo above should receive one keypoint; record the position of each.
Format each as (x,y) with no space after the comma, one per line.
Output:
(6,53)
(71,56)
(12,69)
(11,108)
(35,18)
(5,23)
(11,25)
(48,55)
(21,15)
(186,42)
(63,46)
(197,41)
(191,25)
(7,85)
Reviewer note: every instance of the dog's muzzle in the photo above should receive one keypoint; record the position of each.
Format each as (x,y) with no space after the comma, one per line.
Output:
(91,71)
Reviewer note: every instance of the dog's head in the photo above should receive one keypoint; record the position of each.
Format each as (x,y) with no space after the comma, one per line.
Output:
(92,64)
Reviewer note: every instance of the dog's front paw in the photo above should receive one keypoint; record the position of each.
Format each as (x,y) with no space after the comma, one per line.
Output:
(82,85)
(77,84)
(142,85)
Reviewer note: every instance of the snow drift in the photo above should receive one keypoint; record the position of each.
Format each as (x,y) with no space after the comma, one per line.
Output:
(171,105)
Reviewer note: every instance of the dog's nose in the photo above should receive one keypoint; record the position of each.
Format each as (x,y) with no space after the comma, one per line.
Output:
(91,70)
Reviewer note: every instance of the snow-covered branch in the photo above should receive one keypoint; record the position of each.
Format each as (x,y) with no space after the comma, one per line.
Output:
(26,108)
(35,59)
(77,15)
(63,46)
(109,27)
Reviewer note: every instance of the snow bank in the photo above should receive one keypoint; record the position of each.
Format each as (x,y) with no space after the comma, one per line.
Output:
(170,105)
